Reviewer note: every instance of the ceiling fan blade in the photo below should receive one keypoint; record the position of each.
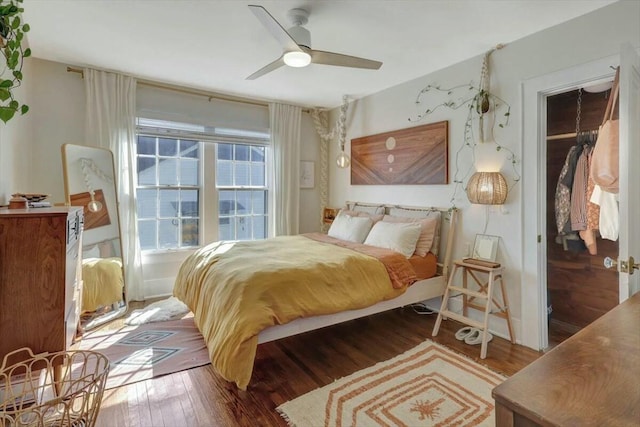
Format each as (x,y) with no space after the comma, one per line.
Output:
(274,27)
(267,69)
(331,58)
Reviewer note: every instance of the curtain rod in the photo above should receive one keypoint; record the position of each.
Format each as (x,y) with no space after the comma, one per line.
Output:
(192,92)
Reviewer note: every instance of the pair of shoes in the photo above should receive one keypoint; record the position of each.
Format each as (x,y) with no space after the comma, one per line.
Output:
(463,333)
(475,337)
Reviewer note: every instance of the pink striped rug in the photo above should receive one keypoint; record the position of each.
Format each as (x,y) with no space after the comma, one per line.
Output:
(429,385)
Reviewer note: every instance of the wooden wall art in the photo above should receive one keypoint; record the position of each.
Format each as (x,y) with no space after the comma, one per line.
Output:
(416,156)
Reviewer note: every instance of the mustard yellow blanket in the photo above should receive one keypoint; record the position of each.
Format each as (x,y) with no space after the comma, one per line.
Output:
(102,282)
(237,289)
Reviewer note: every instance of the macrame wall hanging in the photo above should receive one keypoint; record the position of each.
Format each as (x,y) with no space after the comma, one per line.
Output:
(321,122)
(87,166)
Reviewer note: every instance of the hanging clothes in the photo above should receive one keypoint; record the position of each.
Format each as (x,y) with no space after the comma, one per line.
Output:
(608,221)
(563,191)
(578,214)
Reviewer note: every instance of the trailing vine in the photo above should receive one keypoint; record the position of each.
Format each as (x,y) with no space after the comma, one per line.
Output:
(481,105)
(12,31)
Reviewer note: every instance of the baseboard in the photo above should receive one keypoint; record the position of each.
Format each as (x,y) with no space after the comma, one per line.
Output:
(156,288)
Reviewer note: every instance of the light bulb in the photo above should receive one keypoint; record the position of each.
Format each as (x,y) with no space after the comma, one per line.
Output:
(94,206)
(297,59)
(343,160)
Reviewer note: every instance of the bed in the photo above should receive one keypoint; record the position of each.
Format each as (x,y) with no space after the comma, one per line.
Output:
(246,293)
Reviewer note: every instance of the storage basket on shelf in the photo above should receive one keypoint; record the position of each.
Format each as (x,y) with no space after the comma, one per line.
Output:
(52,389)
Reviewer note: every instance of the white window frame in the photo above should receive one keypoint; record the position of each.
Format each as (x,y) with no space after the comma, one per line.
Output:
(208,209)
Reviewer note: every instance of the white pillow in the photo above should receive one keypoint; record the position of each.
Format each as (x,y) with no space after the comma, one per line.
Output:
(400,237)
(421,213)
(350,228)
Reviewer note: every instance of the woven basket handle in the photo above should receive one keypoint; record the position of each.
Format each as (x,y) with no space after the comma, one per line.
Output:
(608,113)
(18,351)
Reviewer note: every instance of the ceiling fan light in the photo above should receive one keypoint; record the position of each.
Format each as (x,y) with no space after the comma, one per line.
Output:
(297,59)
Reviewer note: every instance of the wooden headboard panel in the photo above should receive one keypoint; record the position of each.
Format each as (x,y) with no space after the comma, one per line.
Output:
(448,223)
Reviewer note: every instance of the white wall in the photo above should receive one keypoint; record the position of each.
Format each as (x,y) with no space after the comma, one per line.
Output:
(587,38)
(30,156)
(15,142)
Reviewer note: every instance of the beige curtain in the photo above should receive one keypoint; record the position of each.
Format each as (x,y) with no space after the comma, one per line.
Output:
(285,177)
(110,123)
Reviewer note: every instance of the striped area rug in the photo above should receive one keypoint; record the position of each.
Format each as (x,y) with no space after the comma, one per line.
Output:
(429,385)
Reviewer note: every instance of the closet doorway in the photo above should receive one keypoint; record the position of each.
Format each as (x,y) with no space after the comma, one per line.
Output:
(579,288)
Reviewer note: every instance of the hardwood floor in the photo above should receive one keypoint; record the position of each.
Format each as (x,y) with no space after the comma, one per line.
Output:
(288,368)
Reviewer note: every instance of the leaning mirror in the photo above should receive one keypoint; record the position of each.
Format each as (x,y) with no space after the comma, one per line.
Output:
(89,182)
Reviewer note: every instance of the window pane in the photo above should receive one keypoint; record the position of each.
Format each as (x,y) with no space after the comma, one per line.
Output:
(168,171)
(146,145)
(224,173)
(225,151)
(190,232)
(146,170)
(242,152)
(242,174)
(243,205)
(257,174)
(257,154)
(243,228)
(259,227)
(189,149)
(147,233)
(226,229)
(168,233)
(147,202)
(169,203)
(259,202)
(167,147)
(188,172)
(227,202)
(189,203)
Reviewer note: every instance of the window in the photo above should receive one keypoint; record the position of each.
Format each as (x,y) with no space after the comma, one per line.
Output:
(242,191)
(168,192)
(199,184)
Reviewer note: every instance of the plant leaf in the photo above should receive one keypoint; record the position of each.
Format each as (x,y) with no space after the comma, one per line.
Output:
(6,83)
(26,28)
(15,23)
(17,74)
(6,113)
(27,53)
(4,94)
(14,104)
(24,109)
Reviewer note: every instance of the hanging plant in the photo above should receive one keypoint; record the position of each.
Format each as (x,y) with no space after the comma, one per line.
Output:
(482,105)
(12,31)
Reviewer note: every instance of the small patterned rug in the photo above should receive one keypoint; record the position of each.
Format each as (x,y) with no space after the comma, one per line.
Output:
(147,351)
(429,385)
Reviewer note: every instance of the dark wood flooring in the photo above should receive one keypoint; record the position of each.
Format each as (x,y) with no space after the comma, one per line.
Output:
(288,368)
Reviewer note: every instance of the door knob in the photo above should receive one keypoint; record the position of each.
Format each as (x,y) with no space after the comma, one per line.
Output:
(625,266)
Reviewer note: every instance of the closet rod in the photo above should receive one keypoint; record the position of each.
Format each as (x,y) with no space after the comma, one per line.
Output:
(562,136)
(192,92)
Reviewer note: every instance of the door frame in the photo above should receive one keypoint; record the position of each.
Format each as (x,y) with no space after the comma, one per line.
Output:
(534,93)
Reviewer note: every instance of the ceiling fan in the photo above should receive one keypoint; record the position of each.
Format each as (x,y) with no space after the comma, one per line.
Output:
(296,45)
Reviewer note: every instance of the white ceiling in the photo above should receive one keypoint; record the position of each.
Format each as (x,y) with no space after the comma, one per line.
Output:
(215,44)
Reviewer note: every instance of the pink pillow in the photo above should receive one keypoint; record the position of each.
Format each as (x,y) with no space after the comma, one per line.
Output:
(427,231)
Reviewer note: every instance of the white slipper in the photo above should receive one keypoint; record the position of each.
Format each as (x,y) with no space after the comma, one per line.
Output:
(464,333)
(475,337)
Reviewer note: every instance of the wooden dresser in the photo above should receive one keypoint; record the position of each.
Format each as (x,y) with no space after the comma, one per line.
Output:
(40,278)
(591,379)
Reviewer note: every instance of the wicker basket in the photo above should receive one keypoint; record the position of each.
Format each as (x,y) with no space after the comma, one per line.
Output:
(52,389)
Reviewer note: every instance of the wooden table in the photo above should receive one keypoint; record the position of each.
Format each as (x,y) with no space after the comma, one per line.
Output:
(591,379)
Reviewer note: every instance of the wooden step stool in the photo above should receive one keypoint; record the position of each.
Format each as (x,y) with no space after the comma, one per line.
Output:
(469,297)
